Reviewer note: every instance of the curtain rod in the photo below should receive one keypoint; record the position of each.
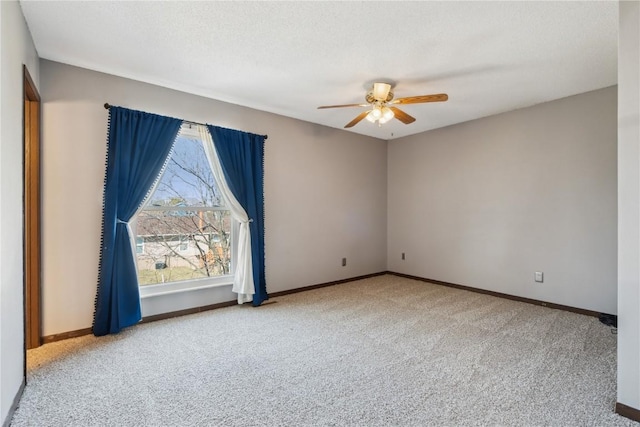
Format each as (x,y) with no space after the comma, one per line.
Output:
(107,106)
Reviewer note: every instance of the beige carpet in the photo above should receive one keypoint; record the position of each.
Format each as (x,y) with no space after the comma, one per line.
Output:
(385,351)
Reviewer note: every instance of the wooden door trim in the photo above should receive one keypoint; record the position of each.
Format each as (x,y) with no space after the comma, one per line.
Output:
(32,210)
(30,91)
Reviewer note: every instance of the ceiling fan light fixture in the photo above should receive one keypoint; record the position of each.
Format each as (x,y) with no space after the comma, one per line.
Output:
(370,117)
(380,114)
(381,90)
(387,114)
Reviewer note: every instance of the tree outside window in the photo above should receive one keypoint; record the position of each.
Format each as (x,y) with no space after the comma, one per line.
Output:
(184,230)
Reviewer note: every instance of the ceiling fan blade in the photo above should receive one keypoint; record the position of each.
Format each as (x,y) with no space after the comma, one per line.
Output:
(402,116)
(341,106)
(357,119)
(439,97)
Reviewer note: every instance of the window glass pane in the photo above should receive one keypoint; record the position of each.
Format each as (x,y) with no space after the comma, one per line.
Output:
(187,179)
(181,245)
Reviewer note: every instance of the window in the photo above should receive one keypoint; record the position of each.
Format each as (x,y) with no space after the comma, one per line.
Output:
(184,243)
(184,232)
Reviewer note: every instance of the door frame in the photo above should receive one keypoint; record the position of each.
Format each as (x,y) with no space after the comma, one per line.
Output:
(32,213)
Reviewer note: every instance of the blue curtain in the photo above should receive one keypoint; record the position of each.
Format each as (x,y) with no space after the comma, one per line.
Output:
(241,155)
(138,146)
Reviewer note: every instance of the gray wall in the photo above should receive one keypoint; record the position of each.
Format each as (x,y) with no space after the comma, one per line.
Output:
(17,49)
(628,204)
(488,202)
(325,192)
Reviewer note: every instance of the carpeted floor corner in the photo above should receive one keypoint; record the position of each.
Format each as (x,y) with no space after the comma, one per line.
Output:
(384,351)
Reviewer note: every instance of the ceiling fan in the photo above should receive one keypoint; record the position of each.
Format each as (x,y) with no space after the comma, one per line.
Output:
(380,100)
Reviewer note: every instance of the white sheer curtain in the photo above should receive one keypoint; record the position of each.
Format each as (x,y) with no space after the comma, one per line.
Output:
(243,278)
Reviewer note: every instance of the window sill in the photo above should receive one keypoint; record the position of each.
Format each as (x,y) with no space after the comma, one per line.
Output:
(149,291)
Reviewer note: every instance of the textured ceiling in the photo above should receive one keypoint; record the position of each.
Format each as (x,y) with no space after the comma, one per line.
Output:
(290,57)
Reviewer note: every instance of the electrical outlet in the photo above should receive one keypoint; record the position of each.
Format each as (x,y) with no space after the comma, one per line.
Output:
(403,256)
(539,276)
(344,262)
